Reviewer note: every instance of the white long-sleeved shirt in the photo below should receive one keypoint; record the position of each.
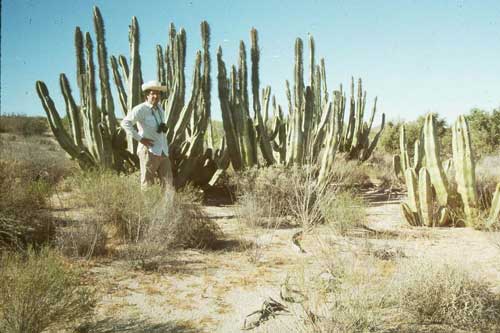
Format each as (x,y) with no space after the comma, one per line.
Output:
(144,116)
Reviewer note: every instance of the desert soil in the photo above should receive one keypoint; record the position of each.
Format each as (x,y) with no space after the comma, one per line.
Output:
(215,290)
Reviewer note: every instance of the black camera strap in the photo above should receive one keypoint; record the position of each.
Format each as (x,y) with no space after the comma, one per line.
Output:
(159,114)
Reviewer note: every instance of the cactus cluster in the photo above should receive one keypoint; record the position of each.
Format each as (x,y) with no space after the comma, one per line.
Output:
(314,125)
(315,128)
(432,200)
(96,140)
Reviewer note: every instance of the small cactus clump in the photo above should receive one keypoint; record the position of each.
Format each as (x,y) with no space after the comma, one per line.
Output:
(432,201)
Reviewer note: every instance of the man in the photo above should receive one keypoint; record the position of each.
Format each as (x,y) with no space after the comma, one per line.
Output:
(153,148)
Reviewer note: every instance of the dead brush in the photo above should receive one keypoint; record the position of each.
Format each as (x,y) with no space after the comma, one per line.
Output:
(445,294)
(149,222)
(176,221)
(84,239)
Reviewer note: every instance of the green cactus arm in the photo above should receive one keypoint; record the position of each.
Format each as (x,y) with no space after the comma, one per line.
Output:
(206,84)
(349,133)
(323,81)
(403,148)
(72,111)
(107,105)
(425,197)
(495,208)
(410,216)
(299,74)
(81,74)
(358,126)
(418,155)
(396,165)
(94,117)
(465,168)
(134,76)
(412,188)
(122,94)
(176,129)
(266,98)
(368,152)
(161,74)
(55,123)
(433,162)
(444,217)
(307,124)
(321,130)
(122,61)
(264,142)
(318,102)
(328,157)
(227,118)
(288,97)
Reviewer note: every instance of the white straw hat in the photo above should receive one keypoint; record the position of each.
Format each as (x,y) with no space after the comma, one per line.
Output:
(153,85)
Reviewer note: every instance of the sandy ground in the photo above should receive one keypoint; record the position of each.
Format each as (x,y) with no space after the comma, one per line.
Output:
(214,291)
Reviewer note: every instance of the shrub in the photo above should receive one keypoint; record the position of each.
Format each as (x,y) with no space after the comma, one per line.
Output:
(267,190)
(445,294)
(152,219)
(37,291)
(485,131)
(23,201)
(349,175)
(84,239)
(116,201)
(184,223)
(357,298)
(344,212)
(24,125)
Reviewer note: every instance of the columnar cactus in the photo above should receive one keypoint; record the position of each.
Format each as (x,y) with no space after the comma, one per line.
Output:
(495,208)
(433,161)
(102,143)
(94,139)
(463,202)
(464,167)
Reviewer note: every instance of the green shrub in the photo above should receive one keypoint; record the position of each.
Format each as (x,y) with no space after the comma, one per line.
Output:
(38,290)
(446,294)
(389,140)
(485,131)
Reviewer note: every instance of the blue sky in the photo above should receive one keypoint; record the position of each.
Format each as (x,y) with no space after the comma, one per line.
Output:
(416,56)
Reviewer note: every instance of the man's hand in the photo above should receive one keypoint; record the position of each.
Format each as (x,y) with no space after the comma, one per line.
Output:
(147,142)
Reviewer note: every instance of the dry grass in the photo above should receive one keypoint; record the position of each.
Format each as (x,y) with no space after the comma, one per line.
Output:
(84,239)
(38,290)
(446,294)
(24,218)
(358,293)
(148,223)
(344,212)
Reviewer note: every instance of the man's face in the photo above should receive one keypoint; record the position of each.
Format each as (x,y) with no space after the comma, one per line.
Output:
(153,97)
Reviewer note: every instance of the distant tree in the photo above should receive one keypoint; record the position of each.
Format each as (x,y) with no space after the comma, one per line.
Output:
(389,141)
(485,131)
